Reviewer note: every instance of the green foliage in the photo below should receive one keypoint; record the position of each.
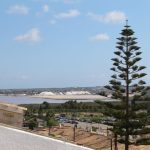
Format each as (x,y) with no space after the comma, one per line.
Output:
(96,119)
(69,106)
(51,122)
(130,113)
(50,114)
(102,93)
(143,141)
(94,128)
(32,124)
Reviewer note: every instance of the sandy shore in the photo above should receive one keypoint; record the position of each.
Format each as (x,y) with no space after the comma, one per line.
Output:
(74,97)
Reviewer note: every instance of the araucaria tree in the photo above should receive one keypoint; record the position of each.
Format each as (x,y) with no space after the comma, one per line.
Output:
(127,86)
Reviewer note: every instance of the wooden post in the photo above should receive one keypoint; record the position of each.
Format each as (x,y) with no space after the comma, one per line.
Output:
(74,132)
(74,135)
(111,144)
(115,141)
(107,132)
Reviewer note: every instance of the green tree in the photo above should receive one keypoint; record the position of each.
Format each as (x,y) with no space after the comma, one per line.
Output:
(40,112)
(32,124)
(50,119)
(45,105)
(49,114)
(51,122)
(130,115)
(102,93)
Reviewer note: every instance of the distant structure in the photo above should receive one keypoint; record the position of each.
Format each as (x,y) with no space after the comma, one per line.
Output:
(11,114)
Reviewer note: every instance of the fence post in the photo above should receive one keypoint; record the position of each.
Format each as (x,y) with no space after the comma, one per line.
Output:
(74,132)
(111,143)
(107,131)
(115,140)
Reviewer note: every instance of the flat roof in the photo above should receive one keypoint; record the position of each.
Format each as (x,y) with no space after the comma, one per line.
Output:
(14,139)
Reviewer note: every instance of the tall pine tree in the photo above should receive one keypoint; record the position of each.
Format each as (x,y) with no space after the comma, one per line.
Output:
(130,113)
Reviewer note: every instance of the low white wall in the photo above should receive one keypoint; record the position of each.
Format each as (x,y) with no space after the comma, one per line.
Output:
(13,139)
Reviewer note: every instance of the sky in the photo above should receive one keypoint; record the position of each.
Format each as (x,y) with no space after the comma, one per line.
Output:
(66,43)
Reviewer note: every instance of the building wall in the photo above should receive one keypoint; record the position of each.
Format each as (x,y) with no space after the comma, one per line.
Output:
(11,114)
(11,118)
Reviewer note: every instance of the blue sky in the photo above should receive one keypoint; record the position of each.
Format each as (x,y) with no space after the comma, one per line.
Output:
(63,43)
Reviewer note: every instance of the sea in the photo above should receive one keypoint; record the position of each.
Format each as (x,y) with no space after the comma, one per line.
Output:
(31,100)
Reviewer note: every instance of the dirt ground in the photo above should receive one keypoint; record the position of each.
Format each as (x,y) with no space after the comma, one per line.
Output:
(87,139)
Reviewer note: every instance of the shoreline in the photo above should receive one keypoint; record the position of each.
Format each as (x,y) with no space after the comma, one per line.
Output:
(61,97)
(74,97)
(30,99)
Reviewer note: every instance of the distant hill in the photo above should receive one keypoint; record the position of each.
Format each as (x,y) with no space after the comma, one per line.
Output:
(33,91)
(97,90)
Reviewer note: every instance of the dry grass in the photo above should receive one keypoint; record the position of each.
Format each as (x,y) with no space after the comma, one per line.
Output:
(97,142)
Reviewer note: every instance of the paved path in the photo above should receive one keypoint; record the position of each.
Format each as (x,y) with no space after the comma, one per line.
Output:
(12,139)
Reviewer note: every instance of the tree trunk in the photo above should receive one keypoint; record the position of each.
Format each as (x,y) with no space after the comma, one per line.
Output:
(115,141)
(127,103)
(49,131)
(74,133)
(127,120)
(111,147)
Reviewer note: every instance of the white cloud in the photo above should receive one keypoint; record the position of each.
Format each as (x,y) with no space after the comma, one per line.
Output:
(110,17)
(52,21)
(94,16)
(45,8)
(39,14)
(18,9)
(32,35)
(71,1)
(65,1)
(100,37)
(60,1)
(24,77)
(70,14)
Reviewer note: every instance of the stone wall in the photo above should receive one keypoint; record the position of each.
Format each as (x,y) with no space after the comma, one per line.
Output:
(11,114)
(11,118)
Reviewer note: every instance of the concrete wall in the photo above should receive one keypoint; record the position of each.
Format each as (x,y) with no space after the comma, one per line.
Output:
(11,114)
(11,118)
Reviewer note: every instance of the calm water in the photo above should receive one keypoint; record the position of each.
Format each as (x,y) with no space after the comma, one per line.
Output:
(31,100)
